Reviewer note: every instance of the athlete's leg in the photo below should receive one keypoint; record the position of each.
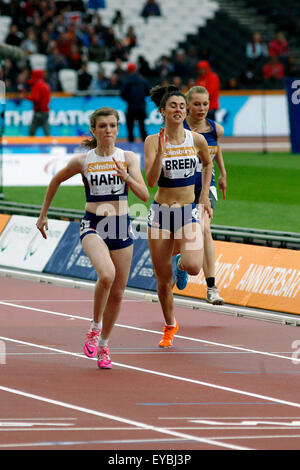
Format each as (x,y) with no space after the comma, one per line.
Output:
(122,262)
(161,249)
(98,253)
(209,249)
(190,245)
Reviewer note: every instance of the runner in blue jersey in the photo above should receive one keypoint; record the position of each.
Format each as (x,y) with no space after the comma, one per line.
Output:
(196,120)
(105,234)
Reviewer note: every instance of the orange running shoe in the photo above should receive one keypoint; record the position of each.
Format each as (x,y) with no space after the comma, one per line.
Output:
(168,336)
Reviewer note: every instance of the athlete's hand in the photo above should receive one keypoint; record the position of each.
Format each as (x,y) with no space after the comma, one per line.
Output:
(42,225)
(223,185)
(162,141)
(120,170)
(206,206)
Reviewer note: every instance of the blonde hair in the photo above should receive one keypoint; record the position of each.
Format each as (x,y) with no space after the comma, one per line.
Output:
(196,89)
(104,111)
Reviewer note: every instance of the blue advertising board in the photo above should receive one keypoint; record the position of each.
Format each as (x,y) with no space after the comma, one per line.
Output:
(293,95)
(69,259)
(69,116)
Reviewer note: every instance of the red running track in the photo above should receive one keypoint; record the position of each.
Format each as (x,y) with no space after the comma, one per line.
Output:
(227,383)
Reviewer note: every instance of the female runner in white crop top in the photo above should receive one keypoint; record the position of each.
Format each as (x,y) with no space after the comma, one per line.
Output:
(107,173)
(170,162)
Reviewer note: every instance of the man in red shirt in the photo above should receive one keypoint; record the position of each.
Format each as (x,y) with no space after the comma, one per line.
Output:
(40,96)
(279,47)
(210,80)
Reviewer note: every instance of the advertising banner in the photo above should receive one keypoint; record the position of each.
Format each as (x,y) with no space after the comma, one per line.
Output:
(22,245)
(253,276)
(69,259)
(4,218)
(240,115)
(35,165)
(293,95)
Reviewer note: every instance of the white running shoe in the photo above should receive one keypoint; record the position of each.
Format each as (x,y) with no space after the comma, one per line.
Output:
(213,296)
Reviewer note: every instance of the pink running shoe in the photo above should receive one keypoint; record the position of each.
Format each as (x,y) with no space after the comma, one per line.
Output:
(104,361)
(91,343)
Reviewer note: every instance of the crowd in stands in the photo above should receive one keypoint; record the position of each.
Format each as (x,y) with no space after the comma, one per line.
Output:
(70,35)
(267,64)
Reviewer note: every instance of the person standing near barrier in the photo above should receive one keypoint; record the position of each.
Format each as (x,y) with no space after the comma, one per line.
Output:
(134,91)
(40,96)
(105,232)
(170,162)
(198,106)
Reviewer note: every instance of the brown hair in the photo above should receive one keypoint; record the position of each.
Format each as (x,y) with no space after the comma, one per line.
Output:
(104,111)
(160,94)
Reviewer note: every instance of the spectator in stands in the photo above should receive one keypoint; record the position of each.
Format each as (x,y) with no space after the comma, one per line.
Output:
(181,65)
(110,38)
(164,69)
(75,59)
(249,77)
(44,42)
(40,96)
(29,43)
(55,62)
(292,69)
(97,49)
(134,91)
(151,8)
(114,83)
(209,80)
(64,43)
(119,51)
(14,37)
(100,28)
(119,70)
(100,82)
(95,4)
(84,78)
(232,84)
(279,47)
(130,39)
(256,48)
(144,67)
(118,24)
(273,73)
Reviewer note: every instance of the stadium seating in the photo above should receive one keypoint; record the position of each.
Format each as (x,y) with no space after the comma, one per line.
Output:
(284,16)
(38,61)
(5,22)
(68,80)
(159,35)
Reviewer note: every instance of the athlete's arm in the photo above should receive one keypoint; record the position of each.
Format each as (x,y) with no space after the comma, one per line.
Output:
(222,180)
(134,177)
(207,167)
(154,148)
(73,167)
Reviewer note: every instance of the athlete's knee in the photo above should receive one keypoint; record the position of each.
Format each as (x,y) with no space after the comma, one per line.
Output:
(192,265)
(107,278)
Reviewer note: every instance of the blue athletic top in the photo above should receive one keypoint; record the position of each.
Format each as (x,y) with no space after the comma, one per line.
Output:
(212,142)
(100,177)
(179,164)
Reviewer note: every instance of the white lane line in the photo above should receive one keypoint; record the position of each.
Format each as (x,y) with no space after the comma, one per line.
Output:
(163,374)
(137,424)
(213,343)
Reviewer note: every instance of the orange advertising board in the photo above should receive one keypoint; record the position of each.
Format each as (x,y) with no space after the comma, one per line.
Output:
(253,276)
(4,218)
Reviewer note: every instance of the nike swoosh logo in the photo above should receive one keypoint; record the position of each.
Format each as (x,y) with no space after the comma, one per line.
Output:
(88,350)
(114,191)
(188,174)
